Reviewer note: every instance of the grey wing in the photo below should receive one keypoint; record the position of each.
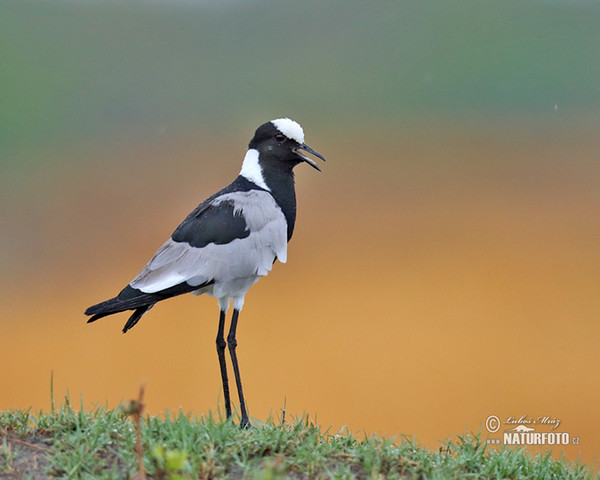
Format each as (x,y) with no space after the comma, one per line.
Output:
(227,256)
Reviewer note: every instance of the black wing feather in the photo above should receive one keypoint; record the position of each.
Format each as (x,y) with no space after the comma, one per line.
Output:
(218,224)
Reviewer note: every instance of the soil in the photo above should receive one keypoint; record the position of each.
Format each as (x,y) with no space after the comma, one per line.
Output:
(29,460)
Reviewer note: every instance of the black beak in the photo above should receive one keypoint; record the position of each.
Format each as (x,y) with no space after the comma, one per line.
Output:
(306,148)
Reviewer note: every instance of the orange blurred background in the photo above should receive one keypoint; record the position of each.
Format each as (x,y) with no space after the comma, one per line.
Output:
(444,267)
(421,294)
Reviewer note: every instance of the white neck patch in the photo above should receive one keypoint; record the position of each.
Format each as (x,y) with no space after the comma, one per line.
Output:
(290,129)
(251,169)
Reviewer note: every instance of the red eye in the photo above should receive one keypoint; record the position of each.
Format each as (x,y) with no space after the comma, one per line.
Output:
(280,137)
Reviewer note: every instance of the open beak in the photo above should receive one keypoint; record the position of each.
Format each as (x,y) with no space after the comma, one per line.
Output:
(311,162)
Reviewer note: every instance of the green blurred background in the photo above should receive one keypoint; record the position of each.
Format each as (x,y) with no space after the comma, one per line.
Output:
(445,265)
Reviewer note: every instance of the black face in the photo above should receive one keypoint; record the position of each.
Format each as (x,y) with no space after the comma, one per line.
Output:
(274,147)
(279,151)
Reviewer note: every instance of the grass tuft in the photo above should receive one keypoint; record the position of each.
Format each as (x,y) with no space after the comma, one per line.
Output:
(101,444)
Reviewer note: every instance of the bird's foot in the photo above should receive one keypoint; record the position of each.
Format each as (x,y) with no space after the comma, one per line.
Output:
(245,423)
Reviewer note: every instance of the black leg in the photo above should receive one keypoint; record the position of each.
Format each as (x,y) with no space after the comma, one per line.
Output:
(232,343)
(221,353)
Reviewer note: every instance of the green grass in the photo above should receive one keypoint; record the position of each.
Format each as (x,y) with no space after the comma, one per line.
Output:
(71,443)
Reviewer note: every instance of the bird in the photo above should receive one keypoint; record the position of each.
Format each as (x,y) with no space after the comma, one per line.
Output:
(227,243)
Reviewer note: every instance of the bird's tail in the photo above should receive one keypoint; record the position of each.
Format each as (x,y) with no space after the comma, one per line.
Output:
(133,299)
(133,319)
(128,299)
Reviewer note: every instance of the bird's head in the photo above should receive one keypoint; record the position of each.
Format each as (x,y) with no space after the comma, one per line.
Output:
(280,144)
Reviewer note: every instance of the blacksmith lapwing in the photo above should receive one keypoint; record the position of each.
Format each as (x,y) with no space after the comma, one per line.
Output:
(228,242)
